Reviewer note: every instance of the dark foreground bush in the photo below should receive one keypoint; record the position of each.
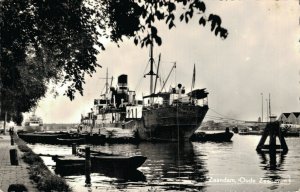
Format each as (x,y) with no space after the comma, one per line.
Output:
(51,182)
(31,158)
(17,188)
(39,172)
(21,144)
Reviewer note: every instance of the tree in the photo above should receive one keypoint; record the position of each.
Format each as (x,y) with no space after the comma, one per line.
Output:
(58,40)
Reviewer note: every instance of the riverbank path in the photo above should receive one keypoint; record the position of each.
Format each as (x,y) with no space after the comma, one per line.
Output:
(12,174)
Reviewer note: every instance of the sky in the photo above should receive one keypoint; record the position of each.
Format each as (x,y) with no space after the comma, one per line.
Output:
(259,56)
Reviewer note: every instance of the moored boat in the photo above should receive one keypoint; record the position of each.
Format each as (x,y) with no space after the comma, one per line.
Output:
(214,137)
(42,137)
(112,161)
(174,119)
(69,141)
(172,115)
(118,166)
(250,133)
(235,129)
(290,130)
(291,134)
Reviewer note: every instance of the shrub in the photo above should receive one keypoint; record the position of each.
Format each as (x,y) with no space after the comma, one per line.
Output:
(39,172)
(53,182)
(31,158)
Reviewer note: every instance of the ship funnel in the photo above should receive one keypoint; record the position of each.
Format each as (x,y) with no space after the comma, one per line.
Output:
(122,80)
(122,83)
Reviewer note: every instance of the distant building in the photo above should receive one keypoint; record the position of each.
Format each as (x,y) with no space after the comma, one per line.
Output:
(294,118)
(290,118)
(283,118)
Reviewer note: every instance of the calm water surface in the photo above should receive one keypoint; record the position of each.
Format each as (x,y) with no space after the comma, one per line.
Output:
(233,166)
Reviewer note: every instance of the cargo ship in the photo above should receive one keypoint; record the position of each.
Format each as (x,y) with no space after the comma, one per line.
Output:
(163,116)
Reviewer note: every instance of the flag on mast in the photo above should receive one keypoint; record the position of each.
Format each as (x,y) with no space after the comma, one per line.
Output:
(194,77)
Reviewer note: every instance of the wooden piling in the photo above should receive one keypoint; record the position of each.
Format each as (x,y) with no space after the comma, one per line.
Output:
(263,139)
(87,165)
(282,141)
(12,142)
(74,150)
(14,157)
(272,130)
(272,145)
(272,139)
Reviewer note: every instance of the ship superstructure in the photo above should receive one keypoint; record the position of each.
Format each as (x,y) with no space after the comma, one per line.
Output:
(33,123)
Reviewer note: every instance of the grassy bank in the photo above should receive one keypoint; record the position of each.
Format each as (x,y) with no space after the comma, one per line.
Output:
(39,172)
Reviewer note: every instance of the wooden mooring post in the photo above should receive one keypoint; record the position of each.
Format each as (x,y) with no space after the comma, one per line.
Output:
(14,160)
(87,166)
(272,130)
(74,150)
(12,142)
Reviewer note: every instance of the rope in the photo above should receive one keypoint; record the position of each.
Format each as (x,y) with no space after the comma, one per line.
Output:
(140,80)
(224,117)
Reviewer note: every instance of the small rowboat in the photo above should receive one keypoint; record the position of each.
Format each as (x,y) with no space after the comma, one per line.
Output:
(75,165)
(114,162)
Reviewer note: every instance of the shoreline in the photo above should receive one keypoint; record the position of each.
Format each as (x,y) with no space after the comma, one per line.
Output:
(39,173)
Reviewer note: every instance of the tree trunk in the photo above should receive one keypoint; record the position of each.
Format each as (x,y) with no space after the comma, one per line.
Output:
(5,119)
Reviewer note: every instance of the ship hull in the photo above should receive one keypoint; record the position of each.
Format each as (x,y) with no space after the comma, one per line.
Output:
(171,123)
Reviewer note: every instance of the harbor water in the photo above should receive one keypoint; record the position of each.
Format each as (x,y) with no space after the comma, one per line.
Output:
(193,166)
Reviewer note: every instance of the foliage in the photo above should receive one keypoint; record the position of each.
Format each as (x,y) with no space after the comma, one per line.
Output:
(58,40)
(137,18)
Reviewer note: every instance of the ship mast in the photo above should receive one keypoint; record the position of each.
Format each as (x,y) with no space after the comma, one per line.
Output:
(106,84)
(157,73)
(151,73)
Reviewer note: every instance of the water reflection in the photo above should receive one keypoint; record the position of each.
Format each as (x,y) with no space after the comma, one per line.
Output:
(272,164)
(169,166)
(173,166)
(123,176)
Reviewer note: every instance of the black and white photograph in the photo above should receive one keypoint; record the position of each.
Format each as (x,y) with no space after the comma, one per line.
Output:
(149,95)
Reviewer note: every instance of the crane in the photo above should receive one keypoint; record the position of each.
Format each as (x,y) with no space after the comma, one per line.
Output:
(173,67)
